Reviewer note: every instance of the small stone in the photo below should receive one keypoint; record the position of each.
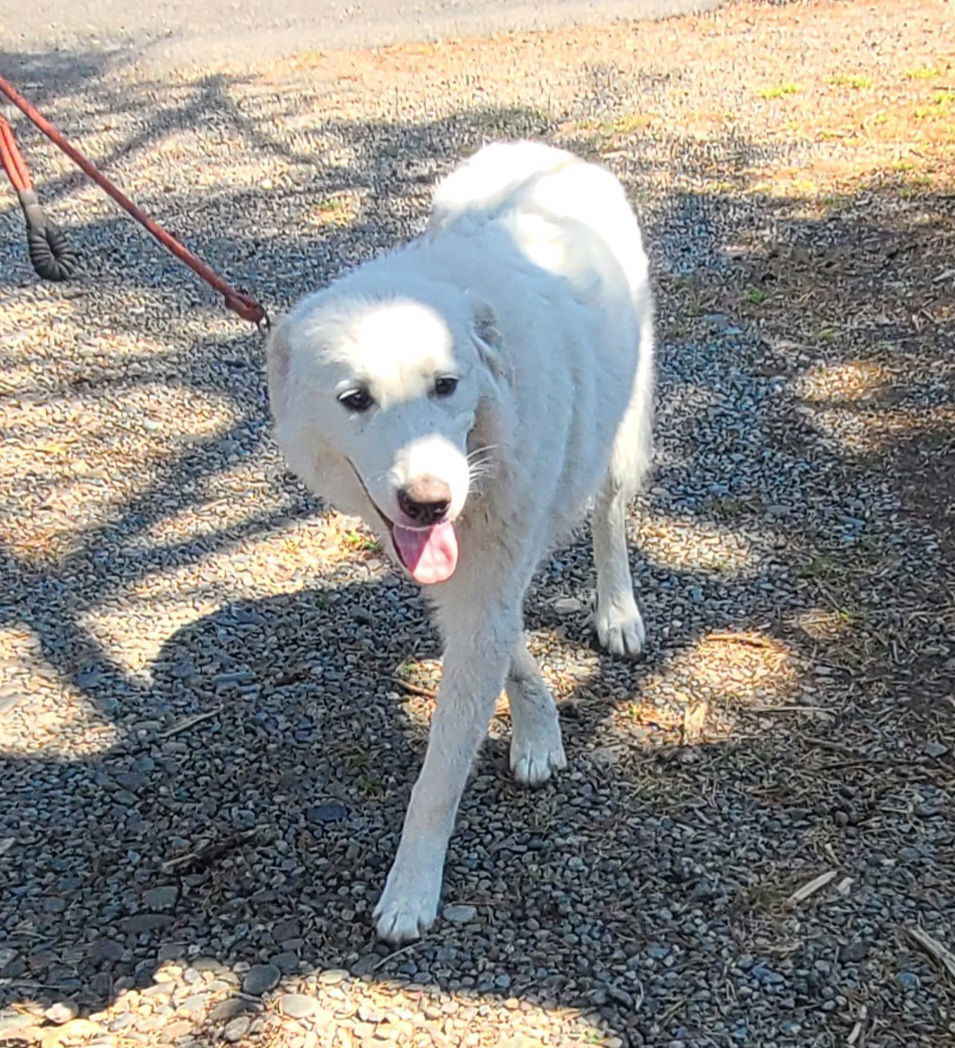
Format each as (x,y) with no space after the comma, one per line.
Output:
(331,976)
(228,1009)
(78,1030)
(619,995)
(236,1028)
(159,990)
(766,975)
(260,979)
(459,914)
(226,680)
(286,962)
(289,929)
(162,897)
(856,951)
(130,780)
(935,749)
(324,813)
(120,1022)
(366,965)
(219,986)
(297,1005)
(145,922)
(567,606)
(61,1012)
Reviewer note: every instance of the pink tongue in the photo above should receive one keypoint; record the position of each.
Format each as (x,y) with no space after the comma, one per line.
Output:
(430,554)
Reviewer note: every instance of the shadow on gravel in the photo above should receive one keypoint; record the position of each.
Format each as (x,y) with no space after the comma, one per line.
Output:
(248,805)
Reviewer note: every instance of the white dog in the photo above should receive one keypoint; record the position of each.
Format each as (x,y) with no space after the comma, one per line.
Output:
(468,395)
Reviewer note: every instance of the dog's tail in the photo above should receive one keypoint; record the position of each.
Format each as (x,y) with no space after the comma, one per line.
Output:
(491,180)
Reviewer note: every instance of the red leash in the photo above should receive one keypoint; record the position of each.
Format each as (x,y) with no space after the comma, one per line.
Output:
(47,241)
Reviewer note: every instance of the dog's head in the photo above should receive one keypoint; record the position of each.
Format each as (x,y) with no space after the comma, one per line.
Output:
(377,400)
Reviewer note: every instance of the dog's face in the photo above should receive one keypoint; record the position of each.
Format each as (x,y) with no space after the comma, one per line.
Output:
(375,401)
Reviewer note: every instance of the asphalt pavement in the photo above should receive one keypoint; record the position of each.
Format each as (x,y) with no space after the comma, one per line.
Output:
(181,32)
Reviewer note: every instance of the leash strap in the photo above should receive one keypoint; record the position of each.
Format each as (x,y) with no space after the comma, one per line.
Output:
(47,244)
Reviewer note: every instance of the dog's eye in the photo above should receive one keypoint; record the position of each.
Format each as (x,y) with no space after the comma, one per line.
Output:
(357,400)
(445,386)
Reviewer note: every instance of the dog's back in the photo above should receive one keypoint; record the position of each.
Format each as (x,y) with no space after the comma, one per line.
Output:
(545,194)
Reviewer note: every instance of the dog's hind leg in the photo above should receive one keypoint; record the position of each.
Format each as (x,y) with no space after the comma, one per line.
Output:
(617,619)
(536,747)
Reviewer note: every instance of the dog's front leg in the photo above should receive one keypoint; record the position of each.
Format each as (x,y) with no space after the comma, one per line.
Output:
(476,658)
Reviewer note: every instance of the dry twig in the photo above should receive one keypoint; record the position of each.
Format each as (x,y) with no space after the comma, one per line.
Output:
(414,689)
(188,722)
(203,856)
(811,887)
(939,953)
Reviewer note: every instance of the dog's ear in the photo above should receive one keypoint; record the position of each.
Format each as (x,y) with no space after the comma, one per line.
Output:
(486,337)
(278,351)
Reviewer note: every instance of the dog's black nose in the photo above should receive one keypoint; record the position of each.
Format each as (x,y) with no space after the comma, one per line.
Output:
(424,501)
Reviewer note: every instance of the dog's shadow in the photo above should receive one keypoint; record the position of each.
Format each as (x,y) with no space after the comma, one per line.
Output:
(308,724)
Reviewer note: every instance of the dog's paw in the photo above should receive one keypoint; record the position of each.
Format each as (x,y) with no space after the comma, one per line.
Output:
(621,630)
(408,905)
(536,755)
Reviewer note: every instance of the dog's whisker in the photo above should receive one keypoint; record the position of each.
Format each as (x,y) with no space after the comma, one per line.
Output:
(482,450)
(481,463)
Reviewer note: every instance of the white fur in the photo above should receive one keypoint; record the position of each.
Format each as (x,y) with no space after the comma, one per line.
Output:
(530,286)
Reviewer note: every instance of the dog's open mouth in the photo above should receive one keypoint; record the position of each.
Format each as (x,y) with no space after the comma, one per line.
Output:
(429,554)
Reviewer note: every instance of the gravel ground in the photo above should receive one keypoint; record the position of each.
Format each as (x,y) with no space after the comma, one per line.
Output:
(214,696)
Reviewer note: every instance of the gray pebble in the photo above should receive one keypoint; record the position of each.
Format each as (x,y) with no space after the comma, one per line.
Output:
(235,1029)
(261,978)
(458,914)
(297,1005)
(162,897)
(61,1012)
(228,1009)
(146,922)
